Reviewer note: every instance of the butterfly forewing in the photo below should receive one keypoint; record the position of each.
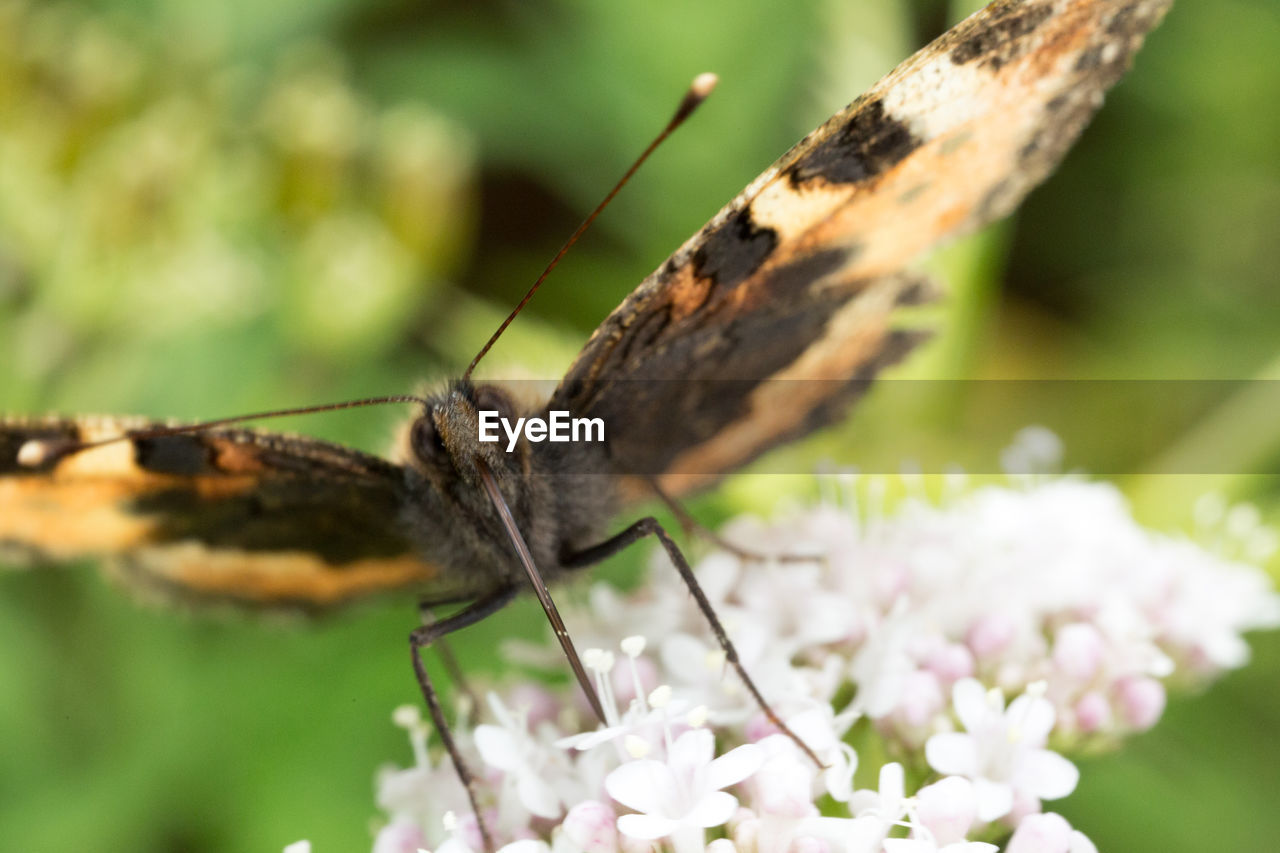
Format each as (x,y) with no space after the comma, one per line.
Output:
(775,316)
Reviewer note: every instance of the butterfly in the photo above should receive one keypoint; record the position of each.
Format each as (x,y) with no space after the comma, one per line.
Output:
(766,325)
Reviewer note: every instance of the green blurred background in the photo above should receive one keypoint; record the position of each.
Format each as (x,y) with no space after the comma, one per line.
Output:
(214,208)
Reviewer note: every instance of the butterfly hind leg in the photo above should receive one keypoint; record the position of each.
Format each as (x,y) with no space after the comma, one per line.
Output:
(423,637)
(444,651)
(692,527)
(649,526)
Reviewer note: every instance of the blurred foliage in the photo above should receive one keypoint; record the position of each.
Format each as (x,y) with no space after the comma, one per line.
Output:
(213,208)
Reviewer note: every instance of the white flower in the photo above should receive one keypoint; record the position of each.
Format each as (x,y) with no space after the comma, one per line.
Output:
(908,614)
(783,787)
(1002,750)
(523,759)
(821,729)
(888,805)
(298,847)
(685,790)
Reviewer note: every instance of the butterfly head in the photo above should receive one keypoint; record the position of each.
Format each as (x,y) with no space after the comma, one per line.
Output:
(444,440)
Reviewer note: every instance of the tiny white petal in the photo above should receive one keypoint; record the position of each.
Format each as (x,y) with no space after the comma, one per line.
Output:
(537,796)
(646,827)
(637,784)
(694,748)
(497,747)
(892,781)
(970,700)
(734,766)
(995,799)
(1047,775)
(298,847)
(1033,717)
(1080,843)
(714,809)
(952,753)
(525,845)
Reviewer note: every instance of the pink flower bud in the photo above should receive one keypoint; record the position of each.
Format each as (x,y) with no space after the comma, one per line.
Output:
(624,687)
(592,826)
(948,808)
(469,828)
(759,727)
(400,836)
(1077,650)
(951,662)
(1093,712)
(990,634)
(541,704)
(922,699)
(1041,833)
(746,832)
(1141,701)
(809,844)
(1024,804)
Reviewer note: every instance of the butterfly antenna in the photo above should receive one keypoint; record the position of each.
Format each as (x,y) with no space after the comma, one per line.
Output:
(699,89)
(42,451)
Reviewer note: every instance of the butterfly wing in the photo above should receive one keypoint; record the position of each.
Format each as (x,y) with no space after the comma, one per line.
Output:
(223,515)
(775,316)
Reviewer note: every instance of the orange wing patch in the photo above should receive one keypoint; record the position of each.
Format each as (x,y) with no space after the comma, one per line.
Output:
(217,516)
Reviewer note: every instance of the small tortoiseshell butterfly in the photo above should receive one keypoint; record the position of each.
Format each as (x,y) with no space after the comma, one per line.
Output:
(798,278)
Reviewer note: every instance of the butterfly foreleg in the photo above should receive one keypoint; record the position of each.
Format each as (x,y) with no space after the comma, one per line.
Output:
(649,526)
(432,632)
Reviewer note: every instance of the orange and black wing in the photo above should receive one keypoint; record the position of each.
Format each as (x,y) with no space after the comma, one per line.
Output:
(775,316)
(223,515)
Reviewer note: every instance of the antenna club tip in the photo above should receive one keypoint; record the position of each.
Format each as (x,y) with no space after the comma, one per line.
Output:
(698,91)
(36,452)
(704,84)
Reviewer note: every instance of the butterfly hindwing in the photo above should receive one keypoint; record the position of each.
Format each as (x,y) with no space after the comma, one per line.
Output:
(775,316)
(222,515)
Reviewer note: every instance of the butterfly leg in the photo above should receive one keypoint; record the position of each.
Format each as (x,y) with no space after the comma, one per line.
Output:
(649,526)
(444,651)
(424,636)
(691,526)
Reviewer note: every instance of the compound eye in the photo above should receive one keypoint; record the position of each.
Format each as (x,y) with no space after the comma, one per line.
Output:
(426,440)
(490,399)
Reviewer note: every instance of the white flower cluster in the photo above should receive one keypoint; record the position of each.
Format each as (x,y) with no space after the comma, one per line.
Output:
(901,637)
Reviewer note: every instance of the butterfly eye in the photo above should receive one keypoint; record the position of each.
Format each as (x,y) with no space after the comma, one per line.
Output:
(426,440)
(489,399)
